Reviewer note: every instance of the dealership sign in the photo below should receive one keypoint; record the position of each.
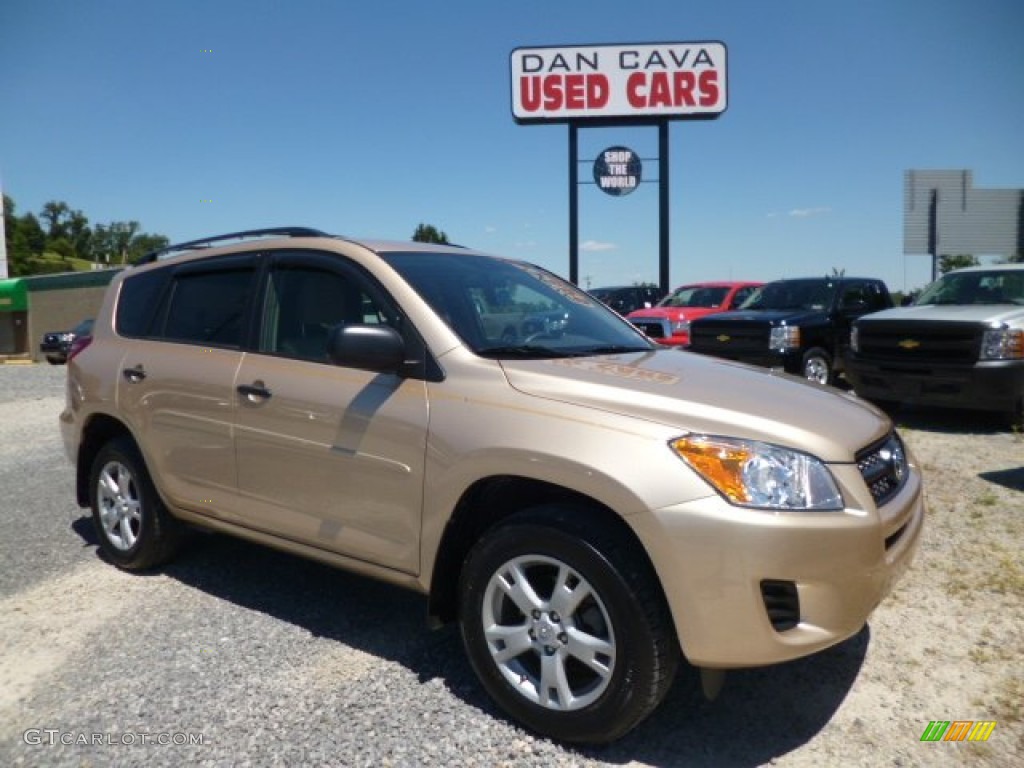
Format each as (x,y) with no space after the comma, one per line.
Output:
(621,82)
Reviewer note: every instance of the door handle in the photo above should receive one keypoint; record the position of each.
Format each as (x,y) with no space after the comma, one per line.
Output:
(138,373)
(255,391)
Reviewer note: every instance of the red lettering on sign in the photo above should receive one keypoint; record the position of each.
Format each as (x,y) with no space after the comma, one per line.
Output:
(709,93)
(529,93)
(684,83)
(634,90)
(556,92)
(553,93)
(684,88)
(597,91)
(575,95)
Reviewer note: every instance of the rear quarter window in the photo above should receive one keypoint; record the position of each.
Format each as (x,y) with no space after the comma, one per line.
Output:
(137,302)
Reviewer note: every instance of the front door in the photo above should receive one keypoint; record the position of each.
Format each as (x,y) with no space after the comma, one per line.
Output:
(328,456)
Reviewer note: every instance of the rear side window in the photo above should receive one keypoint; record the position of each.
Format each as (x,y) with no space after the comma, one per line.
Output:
(137,302)
(208,307)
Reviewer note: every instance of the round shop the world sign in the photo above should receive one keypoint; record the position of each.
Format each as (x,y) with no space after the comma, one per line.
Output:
(617,171)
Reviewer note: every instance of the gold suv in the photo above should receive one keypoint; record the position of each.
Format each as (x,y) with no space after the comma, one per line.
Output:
(589,506)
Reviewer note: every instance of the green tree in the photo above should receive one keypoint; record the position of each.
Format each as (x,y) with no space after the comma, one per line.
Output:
(427,233)
(143,243)
(35,237)
(959,261)
(80,235)
(18,251)
(121,234)
(56,214)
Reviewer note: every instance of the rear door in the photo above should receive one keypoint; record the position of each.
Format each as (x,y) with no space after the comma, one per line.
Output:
(176,378)
(328,456)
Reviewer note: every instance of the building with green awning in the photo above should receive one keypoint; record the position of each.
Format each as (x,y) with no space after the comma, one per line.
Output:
(32,306)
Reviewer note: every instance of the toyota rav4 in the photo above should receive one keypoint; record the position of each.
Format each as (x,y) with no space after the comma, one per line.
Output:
(589,507)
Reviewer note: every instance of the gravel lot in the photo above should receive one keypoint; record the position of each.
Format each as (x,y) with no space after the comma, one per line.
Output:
(271,660)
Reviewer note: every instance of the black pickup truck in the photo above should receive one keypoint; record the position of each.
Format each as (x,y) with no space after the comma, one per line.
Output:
(801,325)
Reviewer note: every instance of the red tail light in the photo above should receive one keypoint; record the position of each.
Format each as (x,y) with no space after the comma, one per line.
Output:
(80,343)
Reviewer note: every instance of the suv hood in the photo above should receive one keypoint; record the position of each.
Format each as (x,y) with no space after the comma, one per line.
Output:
(964,313)
(694,393)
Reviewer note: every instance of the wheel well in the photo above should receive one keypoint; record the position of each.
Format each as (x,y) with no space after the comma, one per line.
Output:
(100,430)
(484,505)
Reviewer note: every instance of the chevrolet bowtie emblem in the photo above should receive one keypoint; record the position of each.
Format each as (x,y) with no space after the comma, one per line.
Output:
(909,343)
(723,338)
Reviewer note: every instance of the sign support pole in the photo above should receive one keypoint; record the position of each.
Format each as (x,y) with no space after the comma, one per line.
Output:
(574,224)
(663,208)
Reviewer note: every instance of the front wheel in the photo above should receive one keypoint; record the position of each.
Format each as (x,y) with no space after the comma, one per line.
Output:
(817,366)
(566,626)
(135,529)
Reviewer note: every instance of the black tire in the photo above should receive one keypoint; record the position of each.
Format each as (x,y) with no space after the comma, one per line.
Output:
(135,529)
(622,624)
(54,360)
(817,366)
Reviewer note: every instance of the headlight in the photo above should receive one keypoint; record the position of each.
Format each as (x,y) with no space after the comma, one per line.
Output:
(1002,344)
(753,474)
(680,326)
(784,337)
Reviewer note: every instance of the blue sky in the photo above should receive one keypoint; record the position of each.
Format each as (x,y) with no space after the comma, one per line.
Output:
(368,118)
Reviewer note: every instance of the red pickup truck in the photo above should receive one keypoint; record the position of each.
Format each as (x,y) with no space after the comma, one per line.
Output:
(669,321)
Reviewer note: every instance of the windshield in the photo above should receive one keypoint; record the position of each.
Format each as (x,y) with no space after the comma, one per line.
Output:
(985,287)
(696,296)
(793,294)
(507,309)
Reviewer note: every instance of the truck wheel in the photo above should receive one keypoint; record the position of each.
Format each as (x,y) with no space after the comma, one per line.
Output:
(566,626)
(817,366)
(135,529)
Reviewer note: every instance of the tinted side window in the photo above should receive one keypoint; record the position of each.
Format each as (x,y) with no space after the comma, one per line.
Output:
(854,297)
(137,302)
(304,303)
(742,295)
(208,307)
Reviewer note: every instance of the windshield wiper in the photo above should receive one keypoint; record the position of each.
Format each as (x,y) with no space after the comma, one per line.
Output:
(522,350)
(610,349)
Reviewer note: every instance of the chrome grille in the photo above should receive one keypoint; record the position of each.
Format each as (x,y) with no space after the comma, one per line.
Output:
(884,468)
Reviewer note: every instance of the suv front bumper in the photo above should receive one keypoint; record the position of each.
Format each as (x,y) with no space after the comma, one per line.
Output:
(724,567)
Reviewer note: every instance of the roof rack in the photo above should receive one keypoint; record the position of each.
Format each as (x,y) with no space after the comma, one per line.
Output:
(205,242)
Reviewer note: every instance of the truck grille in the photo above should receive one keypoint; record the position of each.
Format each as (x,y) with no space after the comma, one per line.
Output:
(884,468)
(655,329)
(729,338)
(918,342)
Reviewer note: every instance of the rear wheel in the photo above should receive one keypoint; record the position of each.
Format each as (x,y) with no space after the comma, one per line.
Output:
(566,626)
(135,529)
(817,366)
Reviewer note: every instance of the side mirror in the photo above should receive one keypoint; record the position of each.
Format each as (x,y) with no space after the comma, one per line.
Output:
(377,348)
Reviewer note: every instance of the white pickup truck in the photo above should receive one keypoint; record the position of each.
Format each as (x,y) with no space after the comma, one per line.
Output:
(960,344)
